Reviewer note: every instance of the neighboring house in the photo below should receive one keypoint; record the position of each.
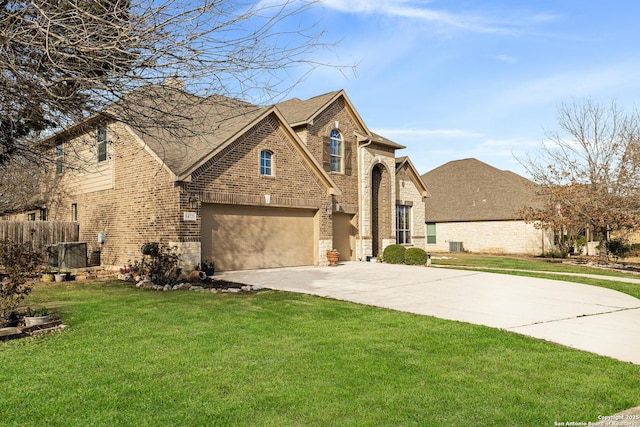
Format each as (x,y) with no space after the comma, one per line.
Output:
(244,186)
(474,206)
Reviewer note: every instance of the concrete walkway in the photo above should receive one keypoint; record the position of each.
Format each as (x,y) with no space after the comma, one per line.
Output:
(584,317)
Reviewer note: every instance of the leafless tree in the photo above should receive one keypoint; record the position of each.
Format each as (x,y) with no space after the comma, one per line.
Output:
(588,171)
(63,61)
(25,186)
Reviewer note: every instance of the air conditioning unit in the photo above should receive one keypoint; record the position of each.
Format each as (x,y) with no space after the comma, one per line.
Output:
(456,247)
(68,255)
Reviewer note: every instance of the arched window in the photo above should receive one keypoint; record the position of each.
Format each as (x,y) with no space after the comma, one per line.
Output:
(336,150)
(266,162)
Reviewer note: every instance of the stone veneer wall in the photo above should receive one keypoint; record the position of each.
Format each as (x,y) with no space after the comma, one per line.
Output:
(408,194)
(510,237)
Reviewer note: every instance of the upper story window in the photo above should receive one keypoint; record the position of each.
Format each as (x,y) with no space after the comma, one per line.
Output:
(101,143)
(59,158)
(266,163)
(336,151)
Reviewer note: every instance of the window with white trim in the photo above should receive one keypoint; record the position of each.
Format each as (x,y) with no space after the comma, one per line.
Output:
(403,224)
(336,151)
(59,158)
(431,233)
(101,143)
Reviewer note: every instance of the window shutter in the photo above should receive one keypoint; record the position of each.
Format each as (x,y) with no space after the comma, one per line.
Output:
(347,158)
(326,154)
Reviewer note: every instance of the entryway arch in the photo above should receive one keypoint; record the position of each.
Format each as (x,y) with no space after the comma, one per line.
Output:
(380,207)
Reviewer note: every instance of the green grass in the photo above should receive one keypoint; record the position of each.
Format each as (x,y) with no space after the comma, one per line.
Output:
(541,268)
(132,357)
(519,263)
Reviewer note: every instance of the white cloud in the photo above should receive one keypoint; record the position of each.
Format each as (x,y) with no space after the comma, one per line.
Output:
(574,83)
(416,11)
(427,133)
(543,17)
(512,143)
(506,58)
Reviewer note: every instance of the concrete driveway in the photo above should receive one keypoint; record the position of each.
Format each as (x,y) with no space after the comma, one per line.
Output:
(584,317)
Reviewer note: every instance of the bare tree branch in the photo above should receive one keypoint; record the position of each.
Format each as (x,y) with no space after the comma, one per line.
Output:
(589,170)
(63,61)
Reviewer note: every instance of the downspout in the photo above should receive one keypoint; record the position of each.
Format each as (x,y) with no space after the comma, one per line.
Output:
(360,189)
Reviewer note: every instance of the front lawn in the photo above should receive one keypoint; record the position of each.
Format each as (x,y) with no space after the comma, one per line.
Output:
(542,268)
(144,358)
(514,262)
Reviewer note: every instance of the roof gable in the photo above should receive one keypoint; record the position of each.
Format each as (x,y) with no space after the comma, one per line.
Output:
(299,113)
(238,127)
(413,173)
(470,190)
(192,128)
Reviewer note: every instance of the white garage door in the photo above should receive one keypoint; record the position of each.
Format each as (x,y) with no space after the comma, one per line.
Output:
(247,237)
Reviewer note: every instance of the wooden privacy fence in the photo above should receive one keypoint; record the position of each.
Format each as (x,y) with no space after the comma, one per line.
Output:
(41,233)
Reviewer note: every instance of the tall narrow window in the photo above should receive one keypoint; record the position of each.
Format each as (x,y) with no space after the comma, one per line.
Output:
(403,224)
(266,163)
(431,233)
(59,158)
(74,212)
(101,143)
(336,150)
(44,214)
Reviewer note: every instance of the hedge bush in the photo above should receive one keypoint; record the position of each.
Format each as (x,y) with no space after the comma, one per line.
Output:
(415,256)
(394,254)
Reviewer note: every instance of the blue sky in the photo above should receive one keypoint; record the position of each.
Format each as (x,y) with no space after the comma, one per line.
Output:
(458,79)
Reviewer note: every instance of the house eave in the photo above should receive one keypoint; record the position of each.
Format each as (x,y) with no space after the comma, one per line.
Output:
(378,140)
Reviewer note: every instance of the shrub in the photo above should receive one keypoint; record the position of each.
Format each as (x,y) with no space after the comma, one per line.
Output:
(556,253)
(635,250)
(21,264)
(161,262)
(415,256)
(394,254)
(618,248)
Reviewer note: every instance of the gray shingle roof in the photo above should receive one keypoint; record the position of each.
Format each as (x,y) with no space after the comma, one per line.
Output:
(297,111)
(190,129)
(183,130)
(470,190)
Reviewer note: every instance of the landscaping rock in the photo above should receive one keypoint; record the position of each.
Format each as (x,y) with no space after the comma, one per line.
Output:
(218,286)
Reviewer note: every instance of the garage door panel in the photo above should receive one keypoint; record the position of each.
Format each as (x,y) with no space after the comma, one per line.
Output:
(243,237)
(344,235)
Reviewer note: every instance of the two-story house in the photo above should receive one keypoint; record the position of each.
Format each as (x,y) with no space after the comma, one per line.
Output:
(242,185)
